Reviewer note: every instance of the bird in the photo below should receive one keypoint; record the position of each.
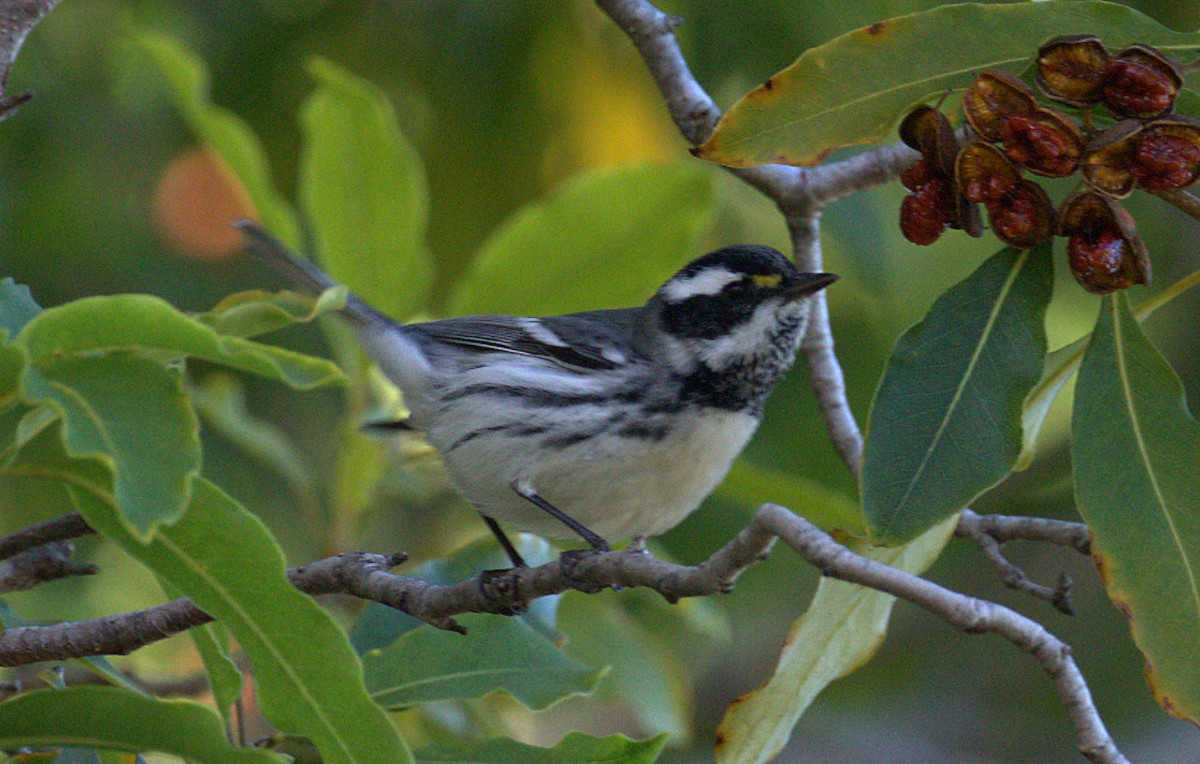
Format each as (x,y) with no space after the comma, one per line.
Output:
(603,424)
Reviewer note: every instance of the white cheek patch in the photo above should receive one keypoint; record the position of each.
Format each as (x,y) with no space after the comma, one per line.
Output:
(748,338)
(706,282)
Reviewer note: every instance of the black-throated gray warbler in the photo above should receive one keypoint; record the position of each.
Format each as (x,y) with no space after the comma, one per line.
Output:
(605,424)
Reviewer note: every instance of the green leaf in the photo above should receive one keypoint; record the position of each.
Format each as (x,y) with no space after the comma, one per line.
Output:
(36,475)
(132,415)
(362,187)
(248,314)
(224,131)
(109,717)
(1062,364)
(224,676)
(840,631)
(308,678)
(17,306)
(145,323)
(221,400)
(574,748)
(646,670)
(1058,369)
(751,484)
(12,363)
(496,653)
(1135,447)
(946,422)
(853,89)
(605,239)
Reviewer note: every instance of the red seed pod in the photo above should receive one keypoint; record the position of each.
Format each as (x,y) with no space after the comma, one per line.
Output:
(1023,217)
(925,213)
(995,96)
(1045,142)
(1070,69)
(916,175)
(1141,82)
(1103,249)
(1167,154)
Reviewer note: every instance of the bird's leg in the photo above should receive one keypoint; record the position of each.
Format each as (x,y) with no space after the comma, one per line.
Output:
(505,543)
(525,490)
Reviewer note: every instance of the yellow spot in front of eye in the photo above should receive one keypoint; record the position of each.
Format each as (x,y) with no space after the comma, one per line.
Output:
(769,281)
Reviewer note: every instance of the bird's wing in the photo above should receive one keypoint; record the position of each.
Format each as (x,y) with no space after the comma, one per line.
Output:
(594,340)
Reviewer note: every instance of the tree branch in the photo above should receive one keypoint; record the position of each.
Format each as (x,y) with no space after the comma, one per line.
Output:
(62,528)
(991,532)
(967,613)
(366,575)
(17,20)
(39,565)
(800,193)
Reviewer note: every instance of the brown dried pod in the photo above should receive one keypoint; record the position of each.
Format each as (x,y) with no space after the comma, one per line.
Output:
(1103,249)
(927,130)
(1167,154)
(1141,82)
(1070,69)
(1107,159)
(967,217)
(1022,217)
(1046,142)
(984,174)
(993,97)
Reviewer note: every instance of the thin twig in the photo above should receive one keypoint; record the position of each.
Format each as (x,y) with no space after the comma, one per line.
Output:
(991,532)
(1185,201)
(61,528)
(967,613)
(1005,528)
(17,20)
(44,563)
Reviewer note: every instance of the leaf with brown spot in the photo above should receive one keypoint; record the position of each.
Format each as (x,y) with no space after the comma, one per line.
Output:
(1135,447)
(854,89)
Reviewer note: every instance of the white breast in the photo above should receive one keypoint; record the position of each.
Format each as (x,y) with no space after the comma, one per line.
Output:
(617,487)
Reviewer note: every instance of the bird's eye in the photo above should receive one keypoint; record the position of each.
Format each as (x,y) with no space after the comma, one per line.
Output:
(741,287)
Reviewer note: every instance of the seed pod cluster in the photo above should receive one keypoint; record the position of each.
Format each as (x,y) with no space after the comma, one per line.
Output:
(1012,133)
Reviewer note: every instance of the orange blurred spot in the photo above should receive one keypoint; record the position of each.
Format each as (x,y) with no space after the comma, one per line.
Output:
(195,203)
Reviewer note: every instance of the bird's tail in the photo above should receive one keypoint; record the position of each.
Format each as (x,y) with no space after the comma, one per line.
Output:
(303,272)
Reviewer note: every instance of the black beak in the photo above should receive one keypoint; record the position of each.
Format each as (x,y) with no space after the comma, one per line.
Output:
(808,283)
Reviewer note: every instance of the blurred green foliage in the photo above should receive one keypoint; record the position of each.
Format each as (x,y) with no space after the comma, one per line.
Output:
(505,103)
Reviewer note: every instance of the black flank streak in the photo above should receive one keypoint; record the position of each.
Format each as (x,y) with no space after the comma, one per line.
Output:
(520,430)
(642,431)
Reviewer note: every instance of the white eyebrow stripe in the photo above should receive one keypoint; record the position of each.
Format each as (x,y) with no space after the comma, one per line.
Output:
(540,332)
(705,282)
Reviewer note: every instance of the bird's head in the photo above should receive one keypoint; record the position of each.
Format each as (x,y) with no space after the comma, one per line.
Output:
(737,306)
